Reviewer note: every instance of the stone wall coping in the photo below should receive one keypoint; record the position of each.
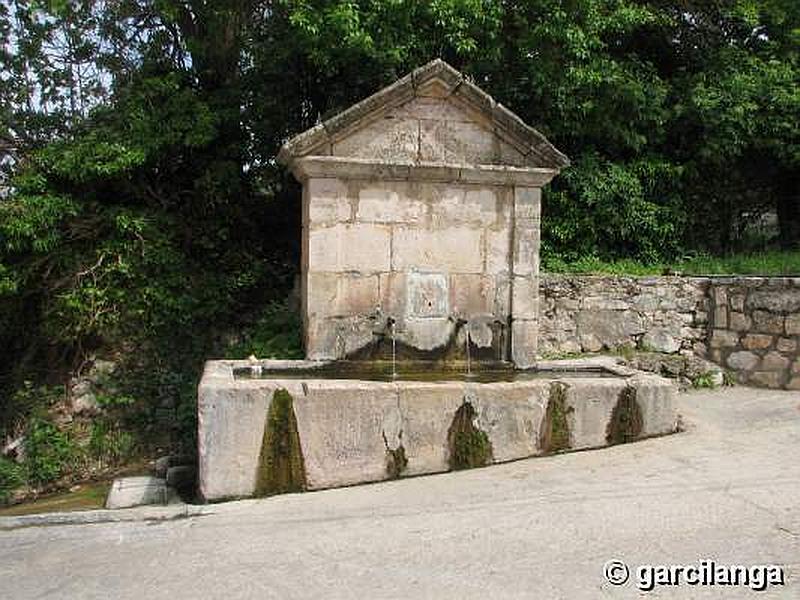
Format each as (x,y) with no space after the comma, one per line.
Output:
(307,167)
(753,280)
(537,149)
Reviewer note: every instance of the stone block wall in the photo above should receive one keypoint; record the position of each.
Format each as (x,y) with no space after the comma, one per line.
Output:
(428,255)
(583,313)
(754,329)
(749,325)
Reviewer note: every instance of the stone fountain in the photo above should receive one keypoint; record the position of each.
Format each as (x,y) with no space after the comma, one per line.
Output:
(420,249)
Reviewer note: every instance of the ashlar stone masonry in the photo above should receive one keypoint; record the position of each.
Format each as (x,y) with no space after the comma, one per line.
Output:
(421,214)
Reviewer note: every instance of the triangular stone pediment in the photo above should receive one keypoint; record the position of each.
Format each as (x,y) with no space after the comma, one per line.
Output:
(431,116)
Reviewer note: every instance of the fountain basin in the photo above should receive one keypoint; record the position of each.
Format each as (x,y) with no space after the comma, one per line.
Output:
(362,429)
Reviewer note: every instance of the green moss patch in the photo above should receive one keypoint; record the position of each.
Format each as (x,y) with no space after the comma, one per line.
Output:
(626,420)
(396,462)
(555,435)
(280,468)
(469,446)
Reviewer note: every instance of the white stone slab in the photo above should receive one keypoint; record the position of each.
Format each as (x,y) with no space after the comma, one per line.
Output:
(127,492)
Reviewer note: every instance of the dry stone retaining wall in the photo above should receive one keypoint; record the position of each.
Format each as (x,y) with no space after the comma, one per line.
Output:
(749,325)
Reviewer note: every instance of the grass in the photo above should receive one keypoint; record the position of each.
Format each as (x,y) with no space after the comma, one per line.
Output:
(88,496)
(760,263)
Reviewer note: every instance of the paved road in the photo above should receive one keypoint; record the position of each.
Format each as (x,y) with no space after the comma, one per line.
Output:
(726,489)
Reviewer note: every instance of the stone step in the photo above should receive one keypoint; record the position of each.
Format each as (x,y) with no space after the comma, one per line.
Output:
(127,492)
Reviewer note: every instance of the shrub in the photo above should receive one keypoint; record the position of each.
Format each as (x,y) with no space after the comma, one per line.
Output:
(109,444)
(49,452)
(26,400)
(11,477)
(277,334)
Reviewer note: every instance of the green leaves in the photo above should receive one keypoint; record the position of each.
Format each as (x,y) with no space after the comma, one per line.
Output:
(49,452)
(613,209)
(89,158)
(34,222)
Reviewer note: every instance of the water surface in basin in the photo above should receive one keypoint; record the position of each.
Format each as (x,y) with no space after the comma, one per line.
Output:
(418,371)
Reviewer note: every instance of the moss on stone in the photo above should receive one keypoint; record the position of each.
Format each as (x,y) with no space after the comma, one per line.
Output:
(396,462)
(626,422)
(280,468)
(469,446)
(555,435)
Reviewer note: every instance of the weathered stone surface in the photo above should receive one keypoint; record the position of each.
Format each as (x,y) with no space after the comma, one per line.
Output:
(788,345)
(350,247)
(678,305)
(771,379)
(781,300)
(462,205)
(457,142)
(388,203)
(338,337)
(328,202)
(525,260)
(473,295)
(525,297)
(428,295)
(395,140)
(737,302)
(427,333)
(655,397)
(793,324)
(774,361)
(230,431)
(511,417)
(342,426)
(611,326)
(589,342)
(661,340)
(527,205)
(427,413)
(739,321)
(348,429)
(757,341)
(596,399)
(675,366)
(721,338)
(342,294)
(498,251)
(743,361)
(452,250)
(525,251)
(127,492)
(767,322)
(524,342)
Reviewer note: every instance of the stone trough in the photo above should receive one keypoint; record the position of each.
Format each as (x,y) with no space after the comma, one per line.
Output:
(340,432)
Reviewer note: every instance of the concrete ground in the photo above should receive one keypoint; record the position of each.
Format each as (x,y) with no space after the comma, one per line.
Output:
(727,489)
